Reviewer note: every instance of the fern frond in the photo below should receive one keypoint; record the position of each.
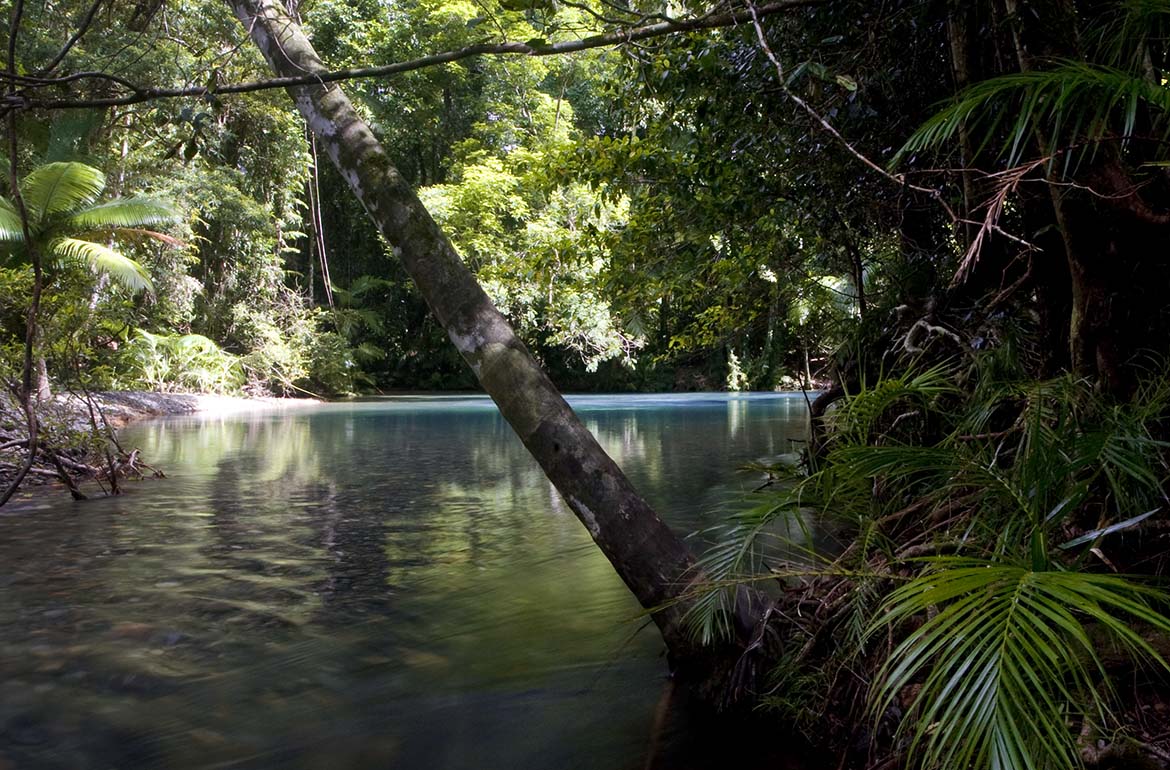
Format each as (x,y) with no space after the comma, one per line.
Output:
(1073,102)
(1005,661)
(1126,35)
(858,416)
(736,554)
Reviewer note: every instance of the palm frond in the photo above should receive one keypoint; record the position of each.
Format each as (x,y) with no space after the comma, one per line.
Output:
(1004,661)
(133,235)
(736,553)
(1075,101)
(900,463)
(11,228)
(122,213)
(102,259)
(55,188)
(1125,36)
(368,352)
(858,416)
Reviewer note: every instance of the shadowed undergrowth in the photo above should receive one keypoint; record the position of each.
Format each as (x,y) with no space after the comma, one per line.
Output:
(995,568)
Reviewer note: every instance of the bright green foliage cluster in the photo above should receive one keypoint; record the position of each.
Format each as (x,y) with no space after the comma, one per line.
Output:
(233,174)
(597,198)
(63,220)
(188,362)
(531,244)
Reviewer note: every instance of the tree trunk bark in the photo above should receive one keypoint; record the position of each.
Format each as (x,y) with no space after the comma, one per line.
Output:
(654,563)
(44,391)
(1049,30)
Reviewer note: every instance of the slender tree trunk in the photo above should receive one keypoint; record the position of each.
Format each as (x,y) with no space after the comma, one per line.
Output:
(1050,281)
(958,37)
(44,391)
(654,563)
(1093,234)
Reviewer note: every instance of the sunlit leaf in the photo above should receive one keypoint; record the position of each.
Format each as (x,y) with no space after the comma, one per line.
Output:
(59,187)
(102,259)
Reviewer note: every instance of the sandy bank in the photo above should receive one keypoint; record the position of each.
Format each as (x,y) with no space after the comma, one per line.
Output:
(123,407)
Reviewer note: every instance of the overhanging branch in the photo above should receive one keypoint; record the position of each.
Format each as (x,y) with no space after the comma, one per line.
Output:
(135,94)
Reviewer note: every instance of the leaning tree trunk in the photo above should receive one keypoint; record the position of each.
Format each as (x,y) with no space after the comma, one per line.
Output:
(654,563)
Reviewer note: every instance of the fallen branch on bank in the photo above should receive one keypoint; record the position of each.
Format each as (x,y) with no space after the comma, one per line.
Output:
(74,444)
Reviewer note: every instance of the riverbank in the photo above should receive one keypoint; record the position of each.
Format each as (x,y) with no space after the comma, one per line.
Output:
(77,436)
(124,407)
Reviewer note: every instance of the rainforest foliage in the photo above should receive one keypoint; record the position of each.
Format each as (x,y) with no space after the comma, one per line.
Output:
(682,213)
(950,213)
(643,216)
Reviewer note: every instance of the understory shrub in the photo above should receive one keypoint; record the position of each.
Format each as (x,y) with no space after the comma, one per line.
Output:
(993,554)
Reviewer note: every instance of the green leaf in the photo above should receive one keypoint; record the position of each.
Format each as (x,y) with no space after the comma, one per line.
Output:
(1097,533)
(122,212)
(846,82)
(102,259)
(11,228)
(58,187)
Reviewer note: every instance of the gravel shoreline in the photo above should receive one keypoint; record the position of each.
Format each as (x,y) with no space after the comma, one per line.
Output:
(69,452)
(124,407)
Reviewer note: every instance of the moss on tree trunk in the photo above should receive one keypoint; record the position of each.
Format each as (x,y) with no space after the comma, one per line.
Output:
(654,563)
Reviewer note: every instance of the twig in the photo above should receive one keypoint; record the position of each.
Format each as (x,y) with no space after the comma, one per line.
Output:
(65,478)
(988,436)
(72,41)
(1010,180)
(898,179)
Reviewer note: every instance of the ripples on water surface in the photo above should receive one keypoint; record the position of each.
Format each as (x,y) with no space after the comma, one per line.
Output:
(368,585)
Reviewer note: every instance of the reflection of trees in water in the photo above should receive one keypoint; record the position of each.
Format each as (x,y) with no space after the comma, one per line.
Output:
(372,502)
(248,481)
(385,525)
(353,559)
(681,458)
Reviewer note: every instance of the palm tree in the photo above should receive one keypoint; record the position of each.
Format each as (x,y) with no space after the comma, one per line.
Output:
(65,221)
(70,228)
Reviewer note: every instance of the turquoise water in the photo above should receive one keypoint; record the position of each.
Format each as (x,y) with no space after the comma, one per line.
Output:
(369,585)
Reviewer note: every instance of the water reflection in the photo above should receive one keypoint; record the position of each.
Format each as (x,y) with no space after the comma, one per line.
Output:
(354,586)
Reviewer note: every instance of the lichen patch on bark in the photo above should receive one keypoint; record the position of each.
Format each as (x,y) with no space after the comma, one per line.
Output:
(586,516)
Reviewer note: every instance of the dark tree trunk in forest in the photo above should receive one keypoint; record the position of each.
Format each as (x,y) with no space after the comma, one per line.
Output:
(1109,232)
(654,563)
(1050,279)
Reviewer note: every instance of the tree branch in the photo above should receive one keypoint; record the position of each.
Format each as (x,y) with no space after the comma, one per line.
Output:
(754,14)
(139,93)
(72,41)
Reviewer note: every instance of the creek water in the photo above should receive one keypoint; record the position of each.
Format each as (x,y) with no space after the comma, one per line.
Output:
(364,585)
